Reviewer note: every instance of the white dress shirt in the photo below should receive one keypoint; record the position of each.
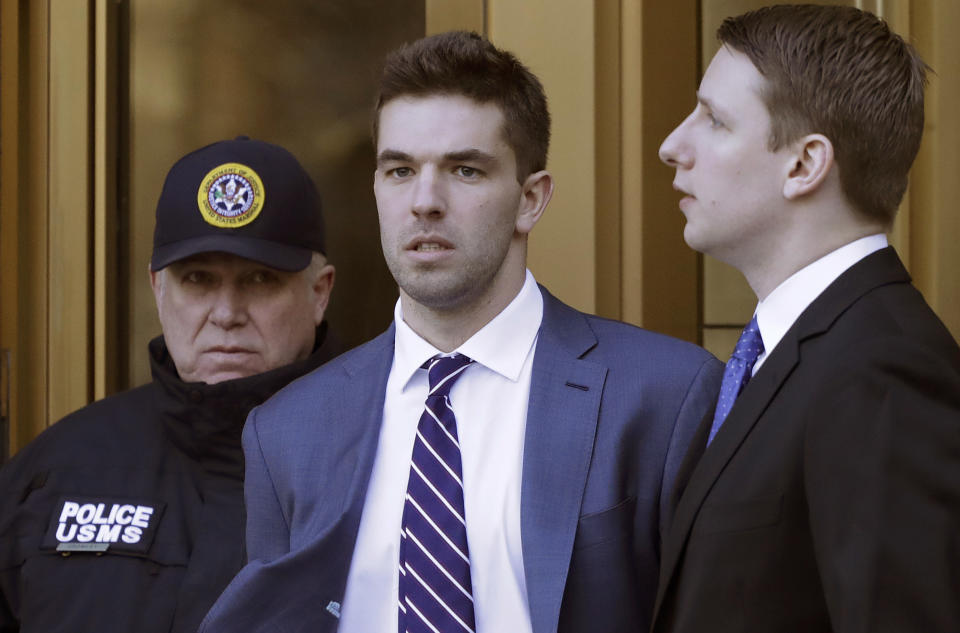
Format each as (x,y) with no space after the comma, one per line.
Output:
(490,404)
(777,312)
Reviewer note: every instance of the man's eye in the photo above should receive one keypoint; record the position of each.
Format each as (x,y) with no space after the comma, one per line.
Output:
(400,172)
(197,277)
(262,277)
(467,172)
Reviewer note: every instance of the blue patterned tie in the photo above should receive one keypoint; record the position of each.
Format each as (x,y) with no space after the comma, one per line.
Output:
(436,594)
(737,373)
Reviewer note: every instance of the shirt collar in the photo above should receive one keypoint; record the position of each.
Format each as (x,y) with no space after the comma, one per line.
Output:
(778,311)
(502,345)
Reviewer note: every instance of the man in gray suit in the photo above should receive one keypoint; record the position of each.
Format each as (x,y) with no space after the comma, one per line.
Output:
(529,496)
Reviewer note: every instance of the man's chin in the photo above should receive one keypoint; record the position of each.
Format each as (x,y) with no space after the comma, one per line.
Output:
(221,373)
(694,239)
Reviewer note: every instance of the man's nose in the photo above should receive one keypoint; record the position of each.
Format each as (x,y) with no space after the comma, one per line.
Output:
(675,151)
(229,308)
(428,195)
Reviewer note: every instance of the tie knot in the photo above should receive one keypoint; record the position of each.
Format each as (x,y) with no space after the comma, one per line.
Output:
(443,372)
(750,344)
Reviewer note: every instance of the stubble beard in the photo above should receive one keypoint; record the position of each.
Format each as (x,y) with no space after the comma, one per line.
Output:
(446,289)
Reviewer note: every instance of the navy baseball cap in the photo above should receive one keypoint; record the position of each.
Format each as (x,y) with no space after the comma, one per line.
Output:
(244,197)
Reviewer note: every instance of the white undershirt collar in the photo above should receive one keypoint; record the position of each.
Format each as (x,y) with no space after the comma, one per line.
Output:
(782,307)
(502,345)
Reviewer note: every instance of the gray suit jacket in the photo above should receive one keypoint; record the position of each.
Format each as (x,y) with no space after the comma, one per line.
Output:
(611,411)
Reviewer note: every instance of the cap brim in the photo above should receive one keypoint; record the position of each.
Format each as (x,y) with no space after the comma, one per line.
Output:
(272,254)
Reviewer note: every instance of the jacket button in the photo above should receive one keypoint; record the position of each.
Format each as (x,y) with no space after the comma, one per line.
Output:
(195,396)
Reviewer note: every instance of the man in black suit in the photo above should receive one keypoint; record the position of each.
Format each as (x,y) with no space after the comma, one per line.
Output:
(824,494)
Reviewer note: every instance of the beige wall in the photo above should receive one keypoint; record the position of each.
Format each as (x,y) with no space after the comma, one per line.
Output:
(935,188)
(45,223)
(562,252)
(616,75)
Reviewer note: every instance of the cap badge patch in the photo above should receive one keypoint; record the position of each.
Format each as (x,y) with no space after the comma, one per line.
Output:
(230,196)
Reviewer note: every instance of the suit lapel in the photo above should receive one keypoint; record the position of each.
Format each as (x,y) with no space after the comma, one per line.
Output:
(874,270)
(561,424)
(368,373)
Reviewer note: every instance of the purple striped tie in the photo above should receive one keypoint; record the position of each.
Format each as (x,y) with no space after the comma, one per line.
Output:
(436,594)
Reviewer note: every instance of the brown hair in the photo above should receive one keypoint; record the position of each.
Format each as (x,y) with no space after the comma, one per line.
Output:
(843,73)
(466,64)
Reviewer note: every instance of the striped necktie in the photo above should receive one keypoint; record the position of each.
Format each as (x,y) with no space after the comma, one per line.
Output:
(737,373)
(436,594)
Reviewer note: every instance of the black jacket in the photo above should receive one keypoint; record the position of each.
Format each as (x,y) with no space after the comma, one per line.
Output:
(127,515)
(830,498)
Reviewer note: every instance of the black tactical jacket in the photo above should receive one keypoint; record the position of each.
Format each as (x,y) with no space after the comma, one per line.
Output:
(127,515)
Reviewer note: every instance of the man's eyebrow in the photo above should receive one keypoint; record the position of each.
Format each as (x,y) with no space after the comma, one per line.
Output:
(390,155)
(470,156)
(710,104)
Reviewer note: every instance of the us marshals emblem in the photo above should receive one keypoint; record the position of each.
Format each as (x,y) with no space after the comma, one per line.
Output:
(230,196)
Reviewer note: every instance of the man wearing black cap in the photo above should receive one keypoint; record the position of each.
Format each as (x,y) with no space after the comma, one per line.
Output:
(127,515)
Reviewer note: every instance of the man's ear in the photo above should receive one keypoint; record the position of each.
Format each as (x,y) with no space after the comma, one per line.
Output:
(322,287)
(812,161)
(535,194)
